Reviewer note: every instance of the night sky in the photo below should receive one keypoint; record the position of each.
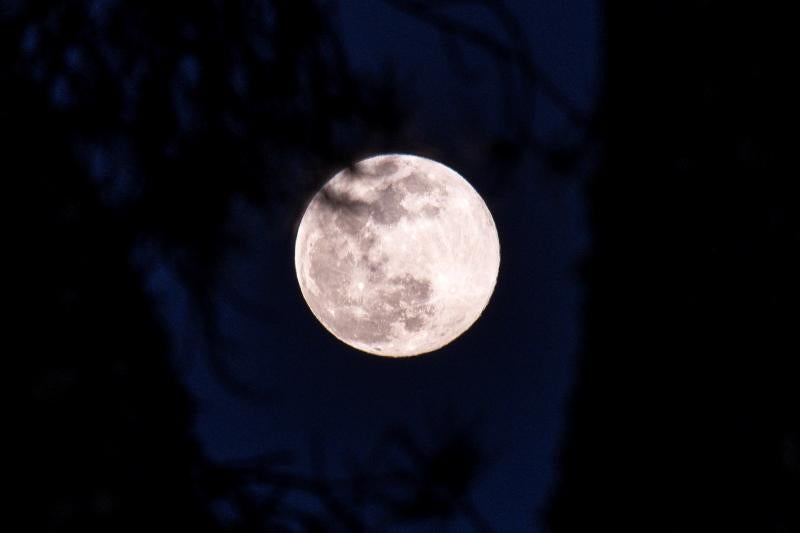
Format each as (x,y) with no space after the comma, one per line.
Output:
(508,377)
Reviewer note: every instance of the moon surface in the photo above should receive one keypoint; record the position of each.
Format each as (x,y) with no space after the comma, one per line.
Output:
(397,256)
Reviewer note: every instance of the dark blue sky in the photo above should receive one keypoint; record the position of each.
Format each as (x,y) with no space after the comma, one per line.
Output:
(507,378)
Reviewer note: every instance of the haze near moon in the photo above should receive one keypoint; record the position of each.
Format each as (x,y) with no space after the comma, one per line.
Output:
(397,256)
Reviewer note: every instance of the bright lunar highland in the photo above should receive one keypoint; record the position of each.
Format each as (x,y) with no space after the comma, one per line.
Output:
(397,256)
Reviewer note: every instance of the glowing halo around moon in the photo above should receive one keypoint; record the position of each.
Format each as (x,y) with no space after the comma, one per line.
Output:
(397,256)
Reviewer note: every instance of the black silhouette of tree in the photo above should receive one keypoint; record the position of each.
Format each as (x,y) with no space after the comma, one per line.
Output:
(685,413)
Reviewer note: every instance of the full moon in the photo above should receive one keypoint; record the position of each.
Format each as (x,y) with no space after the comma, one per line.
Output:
(397,256)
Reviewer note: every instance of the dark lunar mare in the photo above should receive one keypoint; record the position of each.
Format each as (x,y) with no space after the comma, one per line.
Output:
(342,219)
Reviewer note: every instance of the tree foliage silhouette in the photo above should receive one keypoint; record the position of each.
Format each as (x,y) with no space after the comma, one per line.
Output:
(132,131)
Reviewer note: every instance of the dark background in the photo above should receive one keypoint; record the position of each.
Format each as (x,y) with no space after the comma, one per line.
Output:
(635,369)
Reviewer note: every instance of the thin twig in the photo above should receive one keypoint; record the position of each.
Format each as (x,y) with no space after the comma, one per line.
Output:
(520,57)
